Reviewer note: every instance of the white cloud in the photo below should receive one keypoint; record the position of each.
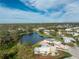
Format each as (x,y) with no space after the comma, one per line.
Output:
(17,16)
(45,4)
(54,8)
(40,4)
(72,13)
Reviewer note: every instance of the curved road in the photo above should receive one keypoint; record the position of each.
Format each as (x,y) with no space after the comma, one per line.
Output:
(74,51)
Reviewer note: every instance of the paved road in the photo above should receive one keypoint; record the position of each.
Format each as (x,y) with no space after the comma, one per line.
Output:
(75,52)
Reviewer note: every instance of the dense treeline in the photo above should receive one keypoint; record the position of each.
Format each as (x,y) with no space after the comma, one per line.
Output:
(11,48)
(26,26)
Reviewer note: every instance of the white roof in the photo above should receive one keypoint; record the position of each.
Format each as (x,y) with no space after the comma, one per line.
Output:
(69,29)
(76,34)
(68,39)
(43,48)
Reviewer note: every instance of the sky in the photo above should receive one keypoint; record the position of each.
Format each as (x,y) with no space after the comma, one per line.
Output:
(39,11)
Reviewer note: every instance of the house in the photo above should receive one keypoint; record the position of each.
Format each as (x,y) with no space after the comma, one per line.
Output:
(57,42)
(68,39)
(47,32)
(77,30)
(35,29)
(54,51)
(47,41)
(69,31)
(59,45)
(52,30)
(76,34)
(41,28)
(53,42)
(21,29)
(44,42)
(46,50)
(59,33)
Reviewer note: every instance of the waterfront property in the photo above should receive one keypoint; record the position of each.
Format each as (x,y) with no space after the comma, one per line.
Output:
(49,47)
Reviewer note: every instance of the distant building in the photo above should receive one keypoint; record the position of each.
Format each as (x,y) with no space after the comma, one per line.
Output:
(76,34)
(68,39)
(47,32)
(68,29)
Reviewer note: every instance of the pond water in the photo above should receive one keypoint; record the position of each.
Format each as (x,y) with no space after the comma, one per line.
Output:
(31,38)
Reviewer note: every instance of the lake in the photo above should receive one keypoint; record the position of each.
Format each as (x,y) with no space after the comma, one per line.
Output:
(32,38)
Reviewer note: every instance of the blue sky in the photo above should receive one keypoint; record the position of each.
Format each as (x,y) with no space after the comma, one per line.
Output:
(39,11)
